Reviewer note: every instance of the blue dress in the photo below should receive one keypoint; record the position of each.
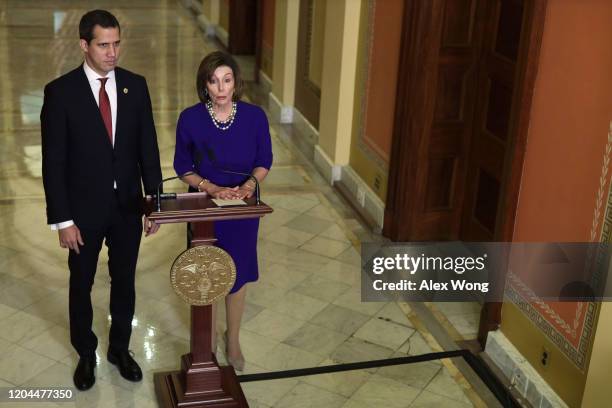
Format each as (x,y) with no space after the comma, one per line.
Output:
(203,148)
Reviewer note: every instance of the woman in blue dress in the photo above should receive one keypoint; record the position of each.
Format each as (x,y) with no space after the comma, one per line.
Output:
(224,133)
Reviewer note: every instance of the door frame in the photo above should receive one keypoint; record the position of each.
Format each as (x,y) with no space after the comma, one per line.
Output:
(242,27)
(307,93)
(414,106)
(258,37)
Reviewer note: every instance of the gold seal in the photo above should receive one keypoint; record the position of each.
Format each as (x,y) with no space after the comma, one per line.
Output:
(203,274)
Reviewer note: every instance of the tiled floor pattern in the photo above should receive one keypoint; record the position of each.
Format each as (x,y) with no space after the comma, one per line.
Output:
(305,310)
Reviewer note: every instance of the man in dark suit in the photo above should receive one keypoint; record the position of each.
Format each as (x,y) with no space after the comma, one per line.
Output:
(98,143)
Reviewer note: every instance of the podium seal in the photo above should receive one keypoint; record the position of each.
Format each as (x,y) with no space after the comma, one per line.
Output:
(203,274)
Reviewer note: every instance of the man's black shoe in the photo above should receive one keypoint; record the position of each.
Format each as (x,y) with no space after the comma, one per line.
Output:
(128,368)
(84,377)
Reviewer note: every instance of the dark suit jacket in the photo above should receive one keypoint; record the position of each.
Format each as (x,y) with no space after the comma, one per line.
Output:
(79,163)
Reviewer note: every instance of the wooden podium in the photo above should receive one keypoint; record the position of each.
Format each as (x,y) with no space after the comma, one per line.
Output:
(200,382)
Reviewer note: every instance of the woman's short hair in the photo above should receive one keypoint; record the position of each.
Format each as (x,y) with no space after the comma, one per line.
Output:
(207,68)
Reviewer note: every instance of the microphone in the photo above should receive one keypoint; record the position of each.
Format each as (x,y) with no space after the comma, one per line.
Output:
(213,160)
(159,196)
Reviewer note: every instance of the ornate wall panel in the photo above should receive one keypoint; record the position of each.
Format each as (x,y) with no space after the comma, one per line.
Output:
(570,325)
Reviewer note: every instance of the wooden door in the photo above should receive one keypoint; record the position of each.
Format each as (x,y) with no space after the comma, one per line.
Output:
(465,87)
(511,46)
(467,70)
(444,147)
(495,124)
(242,27)
(434,114)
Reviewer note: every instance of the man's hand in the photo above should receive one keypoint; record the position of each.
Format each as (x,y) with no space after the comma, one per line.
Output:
(150,227)
(70,237)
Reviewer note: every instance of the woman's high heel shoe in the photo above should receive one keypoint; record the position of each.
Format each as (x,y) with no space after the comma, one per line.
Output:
(237,363)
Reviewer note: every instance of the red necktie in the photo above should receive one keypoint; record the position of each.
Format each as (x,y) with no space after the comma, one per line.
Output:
(105,109)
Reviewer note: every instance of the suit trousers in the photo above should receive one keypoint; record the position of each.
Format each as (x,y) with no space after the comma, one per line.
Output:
(121,232)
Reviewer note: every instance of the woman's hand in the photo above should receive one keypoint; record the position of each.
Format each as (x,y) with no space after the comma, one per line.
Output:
(225,193)
(245,191)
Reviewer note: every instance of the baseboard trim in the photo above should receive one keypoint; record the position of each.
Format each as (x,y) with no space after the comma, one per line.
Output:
(194,6)
(517,370)
(331,172)
(206,26)
(371,206)
(279,113)
(346,194)
(222,36)
(265,82)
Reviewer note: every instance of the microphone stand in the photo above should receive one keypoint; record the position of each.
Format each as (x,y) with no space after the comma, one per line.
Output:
(159,195)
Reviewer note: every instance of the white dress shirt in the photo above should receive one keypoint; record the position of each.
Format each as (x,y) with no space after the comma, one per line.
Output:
(111,90)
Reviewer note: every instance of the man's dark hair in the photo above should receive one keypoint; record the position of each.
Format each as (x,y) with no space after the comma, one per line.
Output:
(93,18)
(207,68)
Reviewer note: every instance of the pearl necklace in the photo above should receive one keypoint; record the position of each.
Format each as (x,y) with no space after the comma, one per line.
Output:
(222,125)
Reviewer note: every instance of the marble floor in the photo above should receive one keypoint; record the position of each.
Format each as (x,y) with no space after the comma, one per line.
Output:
(305,310)
(460,319)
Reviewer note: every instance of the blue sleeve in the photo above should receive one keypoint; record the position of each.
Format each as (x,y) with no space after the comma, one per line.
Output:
(263,157)
(183,158)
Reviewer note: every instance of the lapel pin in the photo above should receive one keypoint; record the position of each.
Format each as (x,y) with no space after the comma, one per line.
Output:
(125,90)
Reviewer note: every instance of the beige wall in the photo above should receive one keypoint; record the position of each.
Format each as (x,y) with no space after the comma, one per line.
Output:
(210,10)
(207,8)
(338,80)
(285,50)
(563,182)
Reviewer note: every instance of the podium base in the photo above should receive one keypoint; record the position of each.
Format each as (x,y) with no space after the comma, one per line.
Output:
(170,392)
